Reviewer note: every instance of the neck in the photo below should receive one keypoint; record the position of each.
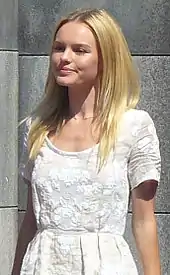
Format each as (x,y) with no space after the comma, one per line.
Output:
(81,103)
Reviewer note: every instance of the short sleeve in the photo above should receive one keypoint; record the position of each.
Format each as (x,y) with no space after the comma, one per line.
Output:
(25,165)
(144,161)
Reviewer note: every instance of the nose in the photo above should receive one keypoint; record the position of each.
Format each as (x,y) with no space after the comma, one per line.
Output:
(66,56)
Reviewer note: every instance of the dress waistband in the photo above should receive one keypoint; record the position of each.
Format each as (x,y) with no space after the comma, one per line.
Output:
(62,232)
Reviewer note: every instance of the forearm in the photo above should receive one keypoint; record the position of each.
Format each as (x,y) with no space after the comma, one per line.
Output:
(26,234)
(145,233)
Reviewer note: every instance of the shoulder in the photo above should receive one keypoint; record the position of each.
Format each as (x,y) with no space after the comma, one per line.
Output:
(136,124)
(137,117)
(25,126)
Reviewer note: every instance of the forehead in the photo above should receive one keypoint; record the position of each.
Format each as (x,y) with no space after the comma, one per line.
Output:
(75,32)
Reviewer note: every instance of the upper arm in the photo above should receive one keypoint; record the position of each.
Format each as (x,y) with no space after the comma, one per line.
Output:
(144,163)
(143,200)
(29,214)
(25,164)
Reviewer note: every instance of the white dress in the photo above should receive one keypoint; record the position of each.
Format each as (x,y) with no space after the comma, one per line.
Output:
(80,214)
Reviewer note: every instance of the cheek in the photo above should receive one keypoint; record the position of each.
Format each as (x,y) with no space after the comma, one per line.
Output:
(55,59)
(89,68)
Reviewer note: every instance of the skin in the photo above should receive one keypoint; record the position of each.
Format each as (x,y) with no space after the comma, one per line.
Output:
(26,233)
(144,226)
(75,48)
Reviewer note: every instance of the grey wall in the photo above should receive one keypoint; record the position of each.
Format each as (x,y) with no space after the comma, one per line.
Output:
(146,26)
(8,132)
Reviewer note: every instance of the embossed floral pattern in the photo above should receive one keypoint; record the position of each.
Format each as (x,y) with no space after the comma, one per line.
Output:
(80,214)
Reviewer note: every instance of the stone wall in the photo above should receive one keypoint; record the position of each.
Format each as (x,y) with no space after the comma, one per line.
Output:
(8,132)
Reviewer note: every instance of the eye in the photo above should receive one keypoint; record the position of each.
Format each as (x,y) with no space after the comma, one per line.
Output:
(80,51)
(59,48)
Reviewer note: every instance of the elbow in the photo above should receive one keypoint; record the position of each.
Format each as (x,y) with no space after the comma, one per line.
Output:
(145,225)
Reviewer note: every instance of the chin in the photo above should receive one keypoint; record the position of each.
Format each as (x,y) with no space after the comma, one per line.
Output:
(61,83)
(65,82)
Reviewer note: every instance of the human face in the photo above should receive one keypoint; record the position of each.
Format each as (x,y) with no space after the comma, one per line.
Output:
(75,56)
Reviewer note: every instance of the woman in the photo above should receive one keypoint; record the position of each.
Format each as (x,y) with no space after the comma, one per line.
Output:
(89,148)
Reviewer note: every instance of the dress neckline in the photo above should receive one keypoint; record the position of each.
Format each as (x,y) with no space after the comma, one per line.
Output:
(84,152)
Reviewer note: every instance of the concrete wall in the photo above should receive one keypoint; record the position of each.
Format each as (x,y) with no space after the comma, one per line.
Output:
(8,132)
(146,26)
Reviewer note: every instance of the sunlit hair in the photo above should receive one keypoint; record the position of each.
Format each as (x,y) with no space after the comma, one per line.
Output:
(118,86)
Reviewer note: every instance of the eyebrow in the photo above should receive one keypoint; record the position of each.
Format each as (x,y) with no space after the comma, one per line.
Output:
(74,44)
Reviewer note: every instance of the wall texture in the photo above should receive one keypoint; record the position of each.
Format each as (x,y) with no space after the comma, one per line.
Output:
(146,26)
(8,132)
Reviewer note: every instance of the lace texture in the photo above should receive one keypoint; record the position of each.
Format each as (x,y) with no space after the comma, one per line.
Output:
(81,215)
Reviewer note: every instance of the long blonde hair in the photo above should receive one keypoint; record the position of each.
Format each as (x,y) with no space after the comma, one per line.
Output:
(118,89)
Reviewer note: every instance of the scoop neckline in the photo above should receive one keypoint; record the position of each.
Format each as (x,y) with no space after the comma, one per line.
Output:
(70,153)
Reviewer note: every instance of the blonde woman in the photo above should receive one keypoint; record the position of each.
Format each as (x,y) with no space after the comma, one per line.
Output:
(88,150)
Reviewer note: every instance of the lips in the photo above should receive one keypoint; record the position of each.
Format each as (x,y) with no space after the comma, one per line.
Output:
(65,69)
